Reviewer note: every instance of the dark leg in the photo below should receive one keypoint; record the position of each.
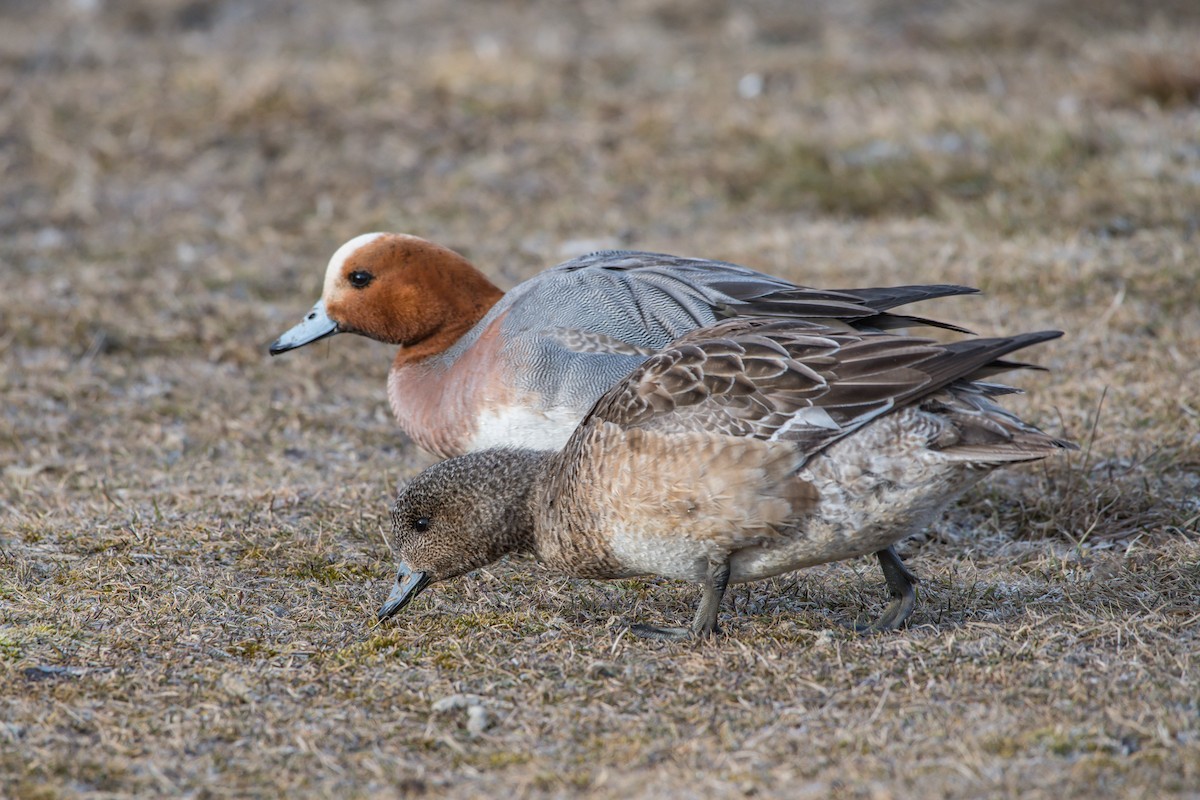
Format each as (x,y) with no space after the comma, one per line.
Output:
(900,585)
(705,622)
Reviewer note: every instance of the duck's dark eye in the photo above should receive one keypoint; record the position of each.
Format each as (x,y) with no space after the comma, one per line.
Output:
(360,279)
(421,524)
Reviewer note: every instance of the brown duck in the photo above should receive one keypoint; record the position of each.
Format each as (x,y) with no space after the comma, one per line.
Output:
(745,450)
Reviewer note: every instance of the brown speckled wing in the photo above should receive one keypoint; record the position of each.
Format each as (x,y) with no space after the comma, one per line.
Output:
(790,380)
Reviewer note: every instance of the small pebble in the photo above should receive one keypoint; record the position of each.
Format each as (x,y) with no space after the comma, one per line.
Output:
(478,720)
(750,85)
(453,702)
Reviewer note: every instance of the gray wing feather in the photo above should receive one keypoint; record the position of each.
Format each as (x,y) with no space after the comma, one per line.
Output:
(650,299)
(581,326)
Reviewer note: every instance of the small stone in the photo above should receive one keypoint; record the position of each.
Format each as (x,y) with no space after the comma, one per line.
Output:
(49,238)
(750,85)
(454,702)
(11,732)
(478,720)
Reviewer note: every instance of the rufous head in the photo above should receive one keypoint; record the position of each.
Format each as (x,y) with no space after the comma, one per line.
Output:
(397,289)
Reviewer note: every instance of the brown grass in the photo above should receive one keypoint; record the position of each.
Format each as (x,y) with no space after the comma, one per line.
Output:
(190,550)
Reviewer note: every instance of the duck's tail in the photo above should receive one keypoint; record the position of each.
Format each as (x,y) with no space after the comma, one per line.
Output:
(982,432)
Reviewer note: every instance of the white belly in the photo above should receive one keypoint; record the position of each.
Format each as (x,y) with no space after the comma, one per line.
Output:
(668,556)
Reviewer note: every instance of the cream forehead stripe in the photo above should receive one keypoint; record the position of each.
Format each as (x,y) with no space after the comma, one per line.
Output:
(339,259)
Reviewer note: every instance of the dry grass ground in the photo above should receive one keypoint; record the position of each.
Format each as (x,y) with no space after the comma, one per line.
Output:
(190,551)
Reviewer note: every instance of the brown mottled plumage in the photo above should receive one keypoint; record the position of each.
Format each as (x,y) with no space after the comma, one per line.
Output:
(747,449)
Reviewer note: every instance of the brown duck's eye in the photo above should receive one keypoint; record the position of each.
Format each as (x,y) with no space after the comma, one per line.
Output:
(421,524)
(360,279)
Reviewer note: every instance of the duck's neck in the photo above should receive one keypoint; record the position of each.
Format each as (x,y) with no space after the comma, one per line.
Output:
(508,480)
(463,295)
(438,400)
(533,501)
(570,532)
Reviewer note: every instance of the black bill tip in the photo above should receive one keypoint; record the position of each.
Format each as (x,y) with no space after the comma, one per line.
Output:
(408,585)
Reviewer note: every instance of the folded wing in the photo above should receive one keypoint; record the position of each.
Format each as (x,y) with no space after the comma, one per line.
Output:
(794,381)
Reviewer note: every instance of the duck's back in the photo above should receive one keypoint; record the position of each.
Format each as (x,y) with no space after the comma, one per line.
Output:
(782,445)
(576,329)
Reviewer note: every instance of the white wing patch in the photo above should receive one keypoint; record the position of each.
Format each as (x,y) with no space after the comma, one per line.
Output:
(810,417)
(518,426)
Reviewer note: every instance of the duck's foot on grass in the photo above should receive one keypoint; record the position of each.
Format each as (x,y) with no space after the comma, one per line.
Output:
(901,587)
(655,632)
(705,623)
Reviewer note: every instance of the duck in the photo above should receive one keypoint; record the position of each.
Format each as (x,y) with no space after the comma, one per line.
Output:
(478,367)
(747,449)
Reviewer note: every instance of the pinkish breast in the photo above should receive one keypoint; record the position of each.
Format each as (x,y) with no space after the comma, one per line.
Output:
(440,403)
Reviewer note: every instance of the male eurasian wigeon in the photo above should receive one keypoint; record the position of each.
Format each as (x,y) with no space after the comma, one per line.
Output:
(480,368)
(747,449)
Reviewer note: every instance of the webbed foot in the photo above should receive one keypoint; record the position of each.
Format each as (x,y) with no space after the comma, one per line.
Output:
(663,634)
(901,587)
(705,622)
